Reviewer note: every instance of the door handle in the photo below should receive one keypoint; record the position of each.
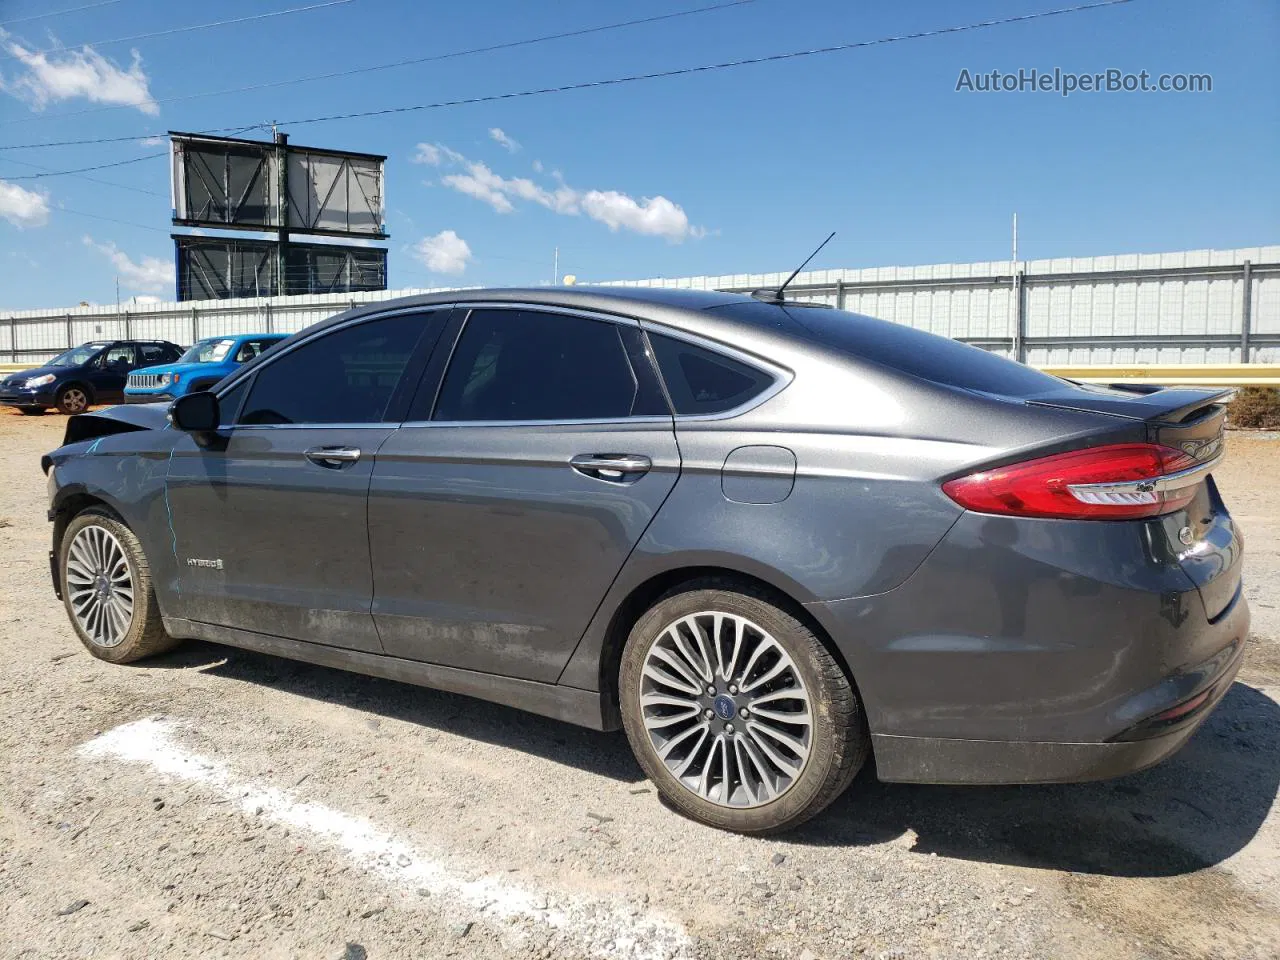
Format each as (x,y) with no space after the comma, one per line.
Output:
(332,457)
(615,467)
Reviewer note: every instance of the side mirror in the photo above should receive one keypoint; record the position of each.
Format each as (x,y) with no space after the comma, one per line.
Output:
(195,412)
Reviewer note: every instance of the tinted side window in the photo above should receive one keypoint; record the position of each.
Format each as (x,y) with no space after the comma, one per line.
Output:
(346,376)
(229,403)
(529,365)
(149,353)
(702,381)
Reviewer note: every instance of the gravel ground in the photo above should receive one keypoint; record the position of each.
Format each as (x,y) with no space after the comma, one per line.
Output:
(226,804)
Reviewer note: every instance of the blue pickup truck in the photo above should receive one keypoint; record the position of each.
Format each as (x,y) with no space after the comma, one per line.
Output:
(207,362)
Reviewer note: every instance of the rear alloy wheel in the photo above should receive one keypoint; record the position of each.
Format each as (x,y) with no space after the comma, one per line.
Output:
(73,399)
(106,589)
(737,712)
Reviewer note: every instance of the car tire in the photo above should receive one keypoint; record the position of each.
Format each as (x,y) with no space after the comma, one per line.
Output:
(784,764)
(72,399)
(107,591)
(31,411)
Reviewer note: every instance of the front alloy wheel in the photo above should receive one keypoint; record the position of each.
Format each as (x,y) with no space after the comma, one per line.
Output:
(73,400)
(99,586)
(738,713)
(106,588)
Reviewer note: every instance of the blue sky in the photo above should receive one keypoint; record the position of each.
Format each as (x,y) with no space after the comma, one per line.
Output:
(736,170)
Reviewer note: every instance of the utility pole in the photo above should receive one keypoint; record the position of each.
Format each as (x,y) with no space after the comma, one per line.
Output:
(282,211)
(1018,323)
(555,270)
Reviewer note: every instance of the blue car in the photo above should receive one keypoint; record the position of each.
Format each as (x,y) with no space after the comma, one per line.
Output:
(207,362)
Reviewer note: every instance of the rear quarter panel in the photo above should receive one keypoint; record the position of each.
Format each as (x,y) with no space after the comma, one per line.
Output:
(865,508)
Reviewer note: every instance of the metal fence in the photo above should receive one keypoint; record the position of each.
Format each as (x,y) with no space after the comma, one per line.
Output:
(1192,307)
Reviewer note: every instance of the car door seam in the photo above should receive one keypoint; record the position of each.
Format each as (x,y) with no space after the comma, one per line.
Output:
(627,559)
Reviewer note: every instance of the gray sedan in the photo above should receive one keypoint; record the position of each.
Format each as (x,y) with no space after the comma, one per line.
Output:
(769,540)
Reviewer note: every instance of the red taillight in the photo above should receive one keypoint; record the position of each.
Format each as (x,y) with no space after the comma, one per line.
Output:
(1117,482)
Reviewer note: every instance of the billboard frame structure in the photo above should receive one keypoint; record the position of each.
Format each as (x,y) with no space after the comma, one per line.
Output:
(232,183)
(311,268)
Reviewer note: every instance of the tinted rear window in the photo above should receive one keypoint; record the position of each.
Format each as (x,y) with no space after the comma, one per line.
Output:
(915,352)
(702,381)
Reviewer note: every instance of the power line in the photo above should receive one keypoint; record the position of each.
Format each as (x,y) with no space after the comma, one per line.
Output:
(95,216)
(272,84)
(189,29)
(57,13)
(100,166)
(73,173)
(615,81)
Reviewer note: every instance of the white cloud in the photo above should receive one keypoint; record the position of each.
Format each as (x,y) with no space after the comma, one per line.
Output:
(22,207)
(149,273)
(435,154)
(68,74)
(497,135)
(143,298)
(537,166)
(483,184)
(151,141)
(446,252)
(650,216)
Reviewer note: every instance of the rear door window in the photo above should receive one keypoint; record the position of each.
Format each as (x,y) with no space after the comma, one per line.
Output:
(250,349)
(701,381)
(530,365)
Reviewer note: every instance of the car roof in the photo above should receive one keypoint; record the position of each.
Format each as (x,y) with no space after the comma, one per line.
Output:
(241,336)
(694,311)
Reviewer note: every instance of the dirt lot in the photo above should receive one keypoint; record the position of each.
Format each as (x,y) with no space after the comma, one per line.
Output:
(226,804)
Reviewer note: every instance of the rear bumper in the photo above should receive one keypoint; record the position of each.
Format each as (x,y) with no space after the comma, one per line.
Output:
(1028,651)
(902,759)
(992,762)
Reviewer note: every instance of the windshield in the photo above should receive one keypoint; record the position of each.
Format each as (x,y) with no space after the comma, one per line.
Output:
(208,351)
(77,356)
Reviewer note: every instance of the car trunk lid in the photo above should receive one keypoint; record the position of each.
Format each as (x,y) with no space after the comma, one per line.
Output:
(1192,420)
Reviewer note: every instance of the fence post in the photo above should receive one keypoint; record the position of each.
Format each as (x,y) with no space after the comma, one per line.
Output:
(839,294)
(69,333)
(270,322)
(195,326)
(1020,316)
(128,326)
(13,339)
(1246,312)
